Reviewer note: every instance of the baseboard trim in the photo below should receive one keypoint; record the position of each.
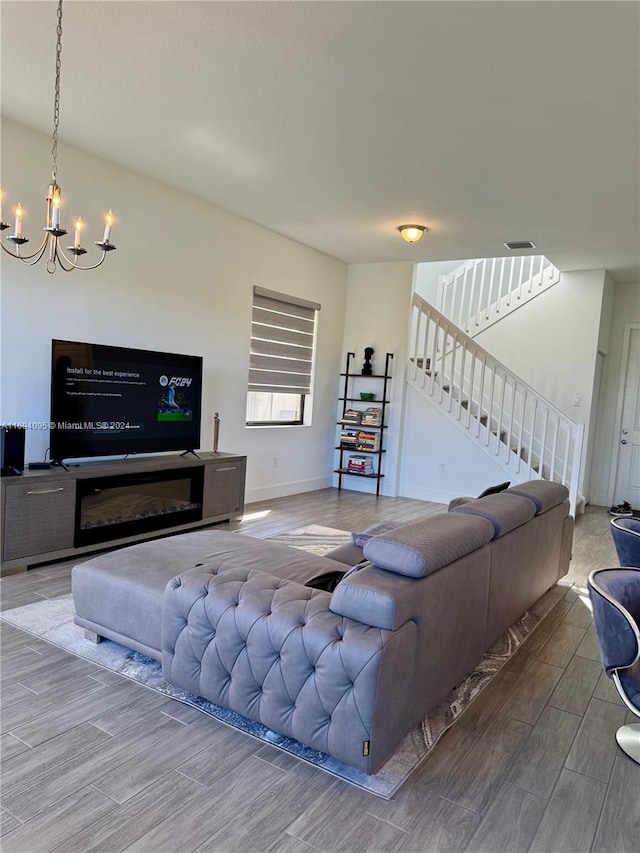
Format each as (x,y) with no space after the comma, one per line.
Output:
(284,490)
(438,496)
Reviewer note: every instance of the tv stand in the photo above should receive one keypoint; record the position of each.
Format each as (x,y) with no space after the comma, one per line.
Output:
(58,514)
(188,452)
(58,463)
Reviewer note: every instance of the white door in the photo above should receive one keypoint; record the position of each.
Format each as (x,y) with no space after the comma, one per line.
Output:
(628,474)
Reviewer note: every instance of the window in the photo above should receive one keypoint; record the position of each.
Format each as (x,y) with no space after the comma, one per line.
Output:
(281,359)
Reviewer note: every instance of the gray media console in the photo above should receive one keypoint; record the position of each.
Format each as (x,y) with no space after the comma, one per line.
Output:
(55,514)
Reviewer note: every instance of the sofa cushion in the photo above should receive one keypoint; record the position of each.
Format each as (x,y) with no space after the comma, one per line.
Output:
(491,490)
(462,499)
(375,597)
(378,529)
(422,547)
(348,554)
(544,493)
(505,511)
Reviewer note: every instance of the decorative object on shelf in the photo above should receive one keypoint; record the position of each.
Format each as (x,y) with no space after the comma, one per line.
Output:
(362,431)
(367,367)
(412,233)
(216,431)
(53,229)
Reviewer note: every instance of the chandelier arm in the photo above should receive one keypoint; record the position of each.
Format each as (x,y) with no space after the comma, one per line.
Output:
(57,257)
(76,266)
(25,258)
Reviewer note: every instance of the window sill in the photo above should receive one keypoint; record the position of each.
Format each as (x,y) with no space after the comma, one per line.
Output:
(276,426)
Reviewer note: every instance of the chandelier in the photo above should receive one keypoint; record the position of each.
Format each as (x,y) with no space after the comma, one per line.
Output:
(53,230)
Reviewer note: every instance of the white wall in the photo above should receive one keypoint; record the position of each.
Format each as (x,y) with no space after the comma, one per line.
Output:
(626,309)
(599,379)
(432,441)
(552,341)
(181,280)
(428,279)
(552,344)
(377,315)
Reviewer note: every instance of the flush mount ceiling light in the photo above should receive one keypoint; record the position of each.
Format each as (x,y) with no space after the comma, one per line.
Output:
(53,230)
(412,233)
(520,244)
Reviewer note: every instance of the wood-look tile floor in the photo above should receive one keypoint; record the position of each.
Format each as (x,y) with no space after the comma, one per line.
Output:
(94,762)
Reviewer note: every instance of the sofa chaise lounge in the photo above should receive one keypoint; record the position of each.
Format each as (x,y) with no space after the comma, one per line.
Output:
(240,621)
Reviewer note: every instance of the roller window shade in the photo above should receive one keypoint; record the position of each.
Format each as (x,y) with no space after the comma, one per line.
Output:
(282,341)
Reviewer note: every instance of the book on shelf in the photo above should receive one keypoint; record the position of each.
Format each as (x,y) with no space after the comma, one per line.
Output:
(351,416)
(371,416)
(369,441)
(357,470)
(348,438)
(360,464)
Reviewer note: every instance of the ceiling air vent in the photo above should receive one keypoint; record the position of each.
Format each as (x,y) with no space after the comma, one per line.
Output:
(520,244)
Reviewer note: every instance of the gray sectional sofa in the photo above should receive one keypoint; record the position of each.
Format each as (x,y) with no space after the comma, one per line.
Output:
(239,621)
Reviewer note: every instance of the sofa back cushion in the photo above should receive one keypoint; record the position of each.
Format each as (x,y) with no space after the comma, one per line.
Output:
(545,494)
(422,547)
(504,511)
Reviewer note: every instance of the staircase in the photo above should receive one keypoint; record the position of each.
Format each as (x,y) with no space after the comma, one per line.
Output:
(480,292)
(523,431)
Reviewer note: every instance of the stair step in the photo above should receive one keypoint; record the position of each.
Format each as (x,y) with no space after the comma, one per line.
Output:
(420,362)
(493,428)
(524,455)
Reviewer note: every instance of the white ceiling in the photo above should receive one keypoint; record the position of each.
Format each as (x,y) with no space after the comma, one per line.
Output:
(334,122)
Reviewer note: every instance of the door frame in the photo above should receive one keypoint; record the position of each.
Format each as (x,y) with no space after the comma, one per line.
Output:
(622,381)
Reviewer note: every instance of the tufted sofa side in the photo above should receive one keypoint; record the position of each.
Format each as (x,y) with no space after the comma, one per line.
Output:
(272,650)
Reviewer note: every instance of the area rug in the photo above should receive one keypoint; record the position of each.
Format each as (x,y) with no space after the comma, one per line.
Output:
(52,620)
(314,538)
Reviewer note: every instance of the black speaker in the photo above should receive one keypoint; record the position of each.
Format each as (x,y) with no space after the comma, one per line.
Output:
(12,450)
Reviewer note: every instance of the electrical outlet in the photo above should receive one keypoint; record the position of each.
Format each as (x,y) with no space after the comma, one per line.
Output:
(275,461)
(442,468)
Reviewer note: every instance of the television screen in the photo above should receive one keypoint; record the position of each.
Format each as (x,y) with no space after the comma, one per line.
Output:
(108,400)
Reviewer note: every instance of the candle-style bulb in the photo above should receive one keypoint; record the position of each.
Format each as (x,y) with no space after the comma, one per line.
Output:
(19,215)
(78,232)
(55,201)
(107,228)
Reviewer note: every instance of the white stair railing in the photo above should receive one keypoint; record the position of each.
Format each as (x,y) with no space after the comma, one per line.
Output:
(479,292)
(524,432)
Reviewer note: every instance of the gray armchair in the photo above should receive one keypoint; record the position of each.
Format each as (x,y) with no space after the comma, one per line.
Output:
(626,538)
(615,596)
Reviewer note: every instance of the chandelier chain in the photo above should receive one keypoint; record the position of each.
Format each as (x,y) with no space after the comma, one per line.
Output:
(56,107)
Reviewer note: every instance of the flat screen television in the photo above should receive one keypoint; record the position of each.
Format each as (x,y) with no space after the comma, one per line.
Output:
(108,400)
